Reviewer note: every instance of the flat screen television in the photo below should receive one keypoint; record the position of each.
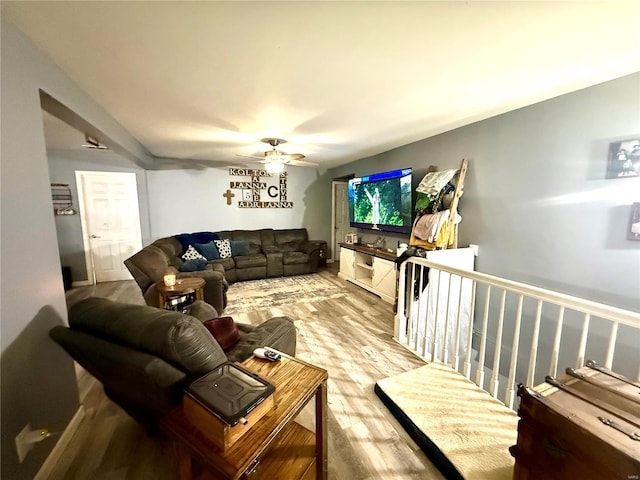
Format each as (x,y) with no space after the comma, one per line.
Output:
(381,201)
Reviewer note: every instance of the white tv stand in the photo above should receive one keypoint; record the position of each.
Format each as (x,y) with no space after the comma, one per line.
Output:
(369,268)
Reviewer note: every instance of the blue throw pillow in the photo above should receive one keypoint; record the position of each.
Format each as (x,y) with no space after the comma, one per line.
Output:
(239,248)
(209,250)
(194,265)
(187,239)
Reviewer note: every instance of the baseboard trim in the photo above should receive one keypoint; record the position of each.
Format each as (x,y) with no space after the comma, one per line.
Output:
(47,467)
(81,283)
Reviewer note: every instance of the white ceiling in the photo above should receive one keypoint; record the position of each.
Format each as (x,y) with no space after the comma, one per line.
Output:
(338,80)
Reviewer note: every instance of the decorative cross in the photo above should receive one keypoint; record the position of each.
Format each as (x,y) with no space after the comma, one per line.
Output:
(228,196)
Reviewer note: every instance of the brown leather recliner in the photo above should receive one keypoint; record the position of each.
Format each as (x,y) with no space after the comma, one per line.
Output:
(144,357)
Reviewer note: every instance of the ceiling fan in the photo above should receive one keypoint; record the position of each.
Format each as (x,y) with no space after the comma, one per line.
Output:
(275,160)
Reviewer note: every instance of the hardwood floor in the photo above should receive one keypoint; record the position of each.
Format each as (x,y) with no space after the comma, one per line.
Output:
(351,337)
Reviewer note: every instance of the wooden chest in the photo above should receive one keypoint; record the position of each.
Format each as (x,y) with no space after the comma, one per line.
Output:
(585,425)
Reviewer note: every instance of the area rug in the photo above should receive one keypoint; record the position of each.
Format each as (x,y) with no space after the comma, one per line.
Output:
(463,430)
(274,292)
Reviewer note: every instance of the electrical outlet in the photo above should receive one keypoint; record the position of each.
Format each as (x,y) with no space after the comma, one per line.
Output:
(22,445)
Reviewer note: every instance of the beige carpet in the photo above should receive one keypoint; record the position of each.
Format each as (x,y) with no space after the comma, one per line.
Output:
(468,426)
(274,292)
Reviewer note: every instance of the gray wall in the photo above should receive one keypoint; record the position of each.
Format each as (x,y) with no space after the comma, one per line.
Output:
(536,199)
(38,382)
(62,168)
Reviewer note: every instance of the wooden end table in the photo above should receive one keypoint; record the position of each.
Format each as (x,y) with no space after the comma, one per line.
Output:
(183,286)
(276,447)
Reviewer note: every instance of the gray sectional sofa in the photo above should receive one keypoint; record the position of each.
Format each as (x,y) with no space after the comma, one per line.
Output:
(257,254)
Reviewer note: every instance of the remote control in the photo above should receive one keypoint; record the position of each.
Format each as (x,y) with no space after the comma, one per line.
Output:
(267,354)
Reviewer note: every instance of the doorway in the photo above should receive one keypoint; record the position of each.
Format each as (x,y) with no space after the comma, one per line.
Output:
(340,217)
(110,219)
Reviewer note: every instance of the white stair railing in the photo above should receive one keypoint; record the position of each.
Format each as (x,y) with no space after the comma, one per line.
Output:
(519,328)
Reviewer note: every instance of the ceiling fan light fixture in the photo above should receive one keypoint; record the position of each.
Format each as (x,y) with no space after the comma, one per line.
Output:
(274,167)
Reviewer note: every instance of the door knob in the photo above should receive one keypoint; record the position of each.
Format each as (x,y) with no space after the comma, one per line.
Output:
(94,236)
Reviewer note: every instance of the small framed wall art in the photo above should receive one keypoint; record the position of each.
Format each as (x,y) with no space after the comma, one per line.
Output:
(624,159)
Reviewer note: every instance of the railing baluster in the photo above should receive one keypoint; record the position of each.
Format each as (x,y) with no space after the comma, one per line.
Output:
(555,354)
(423,308)
(534,345)
(456,343)
(469,349)
(511,393)
(436,315)
(583,341)
(445,337)
(483,340)
(412,308)
(400,324)
(496,353)
(612,345)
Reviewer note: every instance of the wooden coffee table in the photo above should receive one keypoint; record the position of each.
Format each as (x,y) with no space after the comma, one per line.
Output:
(274,448)
(182,286)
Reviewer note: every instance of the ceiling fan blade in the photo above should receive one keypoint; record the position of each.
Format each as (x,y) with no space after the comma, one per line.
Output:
(249,156)
(292,156)
(299,163)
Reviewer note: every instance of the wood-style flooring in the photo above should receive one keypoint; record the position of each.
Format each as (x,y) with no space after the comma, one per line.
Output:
(351,337)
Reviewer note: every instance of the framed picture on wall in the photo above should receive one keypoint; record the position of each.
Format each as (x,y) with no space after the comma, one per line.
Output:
(634,224)
(624,159)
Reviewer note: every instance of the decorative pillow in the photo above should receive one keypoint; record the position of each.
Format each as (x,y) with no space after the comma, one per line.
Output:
(191,254)
(239,248)
(187,239)
(193,265)
(224,248)
(254,248)
(209,250)
(224,330)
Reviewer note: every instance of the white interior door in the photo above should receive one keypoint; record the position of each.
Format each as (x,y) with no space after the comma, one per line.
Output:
(340,216)
(110,222)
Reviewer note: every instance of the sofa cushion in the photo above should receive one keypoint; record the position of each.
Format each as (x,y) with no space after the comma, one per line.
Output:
(209,250)
(193,265)
(224,248)
(295,258)
(252,236)
(170,246)
(202,310)
(266,236)
(250,261)
(148,265)
(224,330)
(292,246)
(290,235)
(227,263)
(240,247)
(179,339)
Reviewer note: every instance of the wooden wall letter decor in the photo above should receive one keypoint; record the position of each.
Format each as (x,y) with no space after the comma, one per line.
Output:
(252,189)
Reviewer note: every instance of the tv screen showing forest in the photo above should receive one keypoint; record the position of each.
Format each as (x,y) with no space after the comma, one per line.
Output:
(381,201)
